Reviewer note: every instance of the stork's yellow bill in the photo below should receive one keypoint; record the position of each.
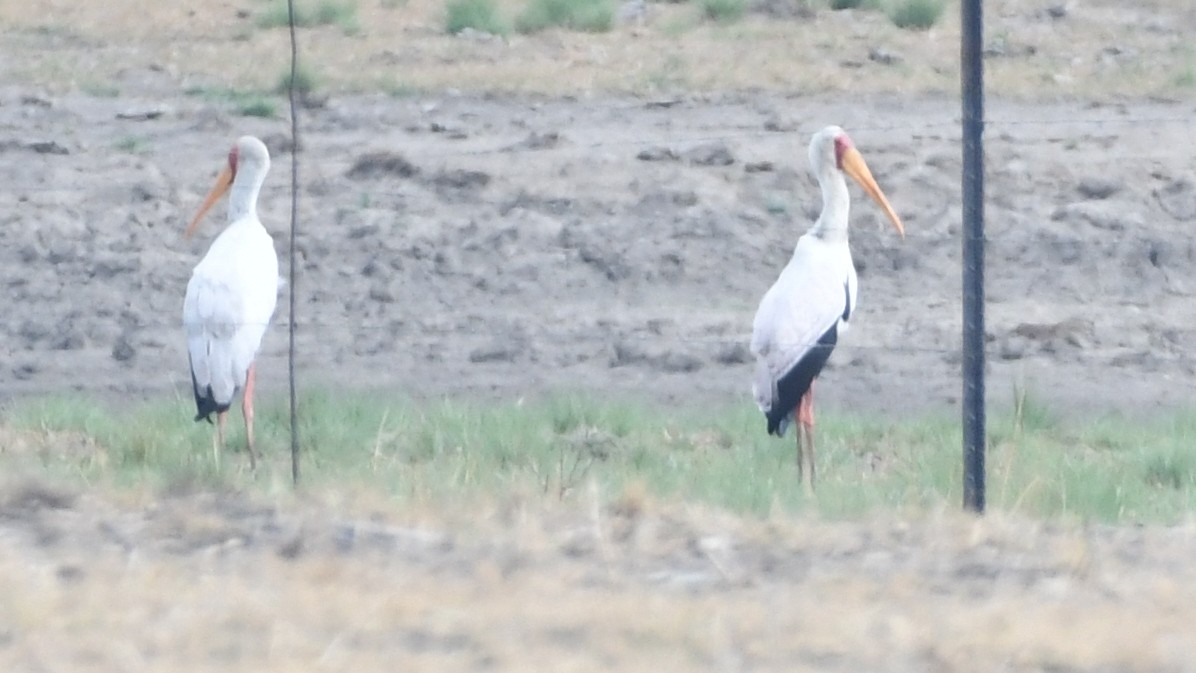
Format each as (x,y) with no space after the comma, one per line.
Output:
(223,182)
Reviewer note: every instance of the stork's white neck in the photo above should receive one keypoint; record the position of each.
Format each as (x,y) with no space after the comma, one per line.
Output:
(242,197)
(836,204)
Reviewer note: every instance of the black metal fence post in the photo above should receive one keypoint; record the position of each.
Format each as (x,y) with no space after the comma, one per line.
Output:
(972,80)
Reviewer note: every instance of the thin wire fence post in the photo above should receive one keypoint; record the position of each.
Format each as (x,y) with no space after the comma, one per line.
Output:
(294,225)
(972,81)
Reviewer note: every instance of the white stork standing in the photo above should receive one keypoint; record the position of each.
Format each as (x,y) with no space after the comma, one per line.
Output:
(801,315)
(231,296)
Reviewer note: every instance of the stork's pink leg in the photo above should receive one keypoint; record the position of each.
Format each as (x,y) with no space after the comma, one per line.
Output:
(218,439)
(800,430)
(805,423)
(247,411)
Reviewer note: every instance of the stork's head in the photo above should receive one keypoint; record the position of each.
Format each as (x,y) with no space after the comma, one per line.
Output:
(831,150)
(250,158)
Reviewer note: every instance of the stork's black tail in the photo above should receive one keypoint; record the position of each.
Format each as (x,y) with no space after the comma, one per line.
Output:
(205,402)
(795,382)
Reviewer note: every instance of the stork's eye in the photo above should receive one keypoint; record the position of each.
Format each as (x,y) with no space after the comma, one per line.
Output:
(232,159)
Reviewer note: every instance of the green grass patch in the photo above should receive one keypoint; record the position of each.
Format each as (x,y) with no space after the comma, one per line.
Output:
(569,447)
(1186,77)
(257,107)
(723,11)
(480,15)
(915,14)
(590,16)
(340,13)
(854,4)
(100,89)
(132,144)
(396,89)
(244,103)
(303,80)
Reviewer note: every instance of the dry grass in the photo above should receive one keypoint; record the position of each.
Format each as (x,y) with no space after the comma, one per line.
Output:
(196,584)
(1098,49)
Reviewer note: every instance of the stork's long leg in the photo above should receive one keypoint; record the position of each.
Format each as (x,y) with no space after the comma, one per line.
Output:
(801,446)
(805,424)
(218,439)
(247,411)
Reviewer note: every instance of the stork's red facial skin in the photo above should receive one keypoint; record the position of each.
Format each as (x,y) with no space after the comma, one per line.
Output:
(842,144)
(223,182)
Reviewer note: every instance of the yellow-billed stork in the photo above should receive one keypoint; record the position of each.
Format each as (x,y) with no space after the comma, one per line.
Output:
(231,296)
(800,317)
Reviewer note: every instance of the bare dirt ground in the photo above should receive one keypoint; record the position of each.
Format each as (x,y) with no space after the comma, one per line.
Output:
(607,224)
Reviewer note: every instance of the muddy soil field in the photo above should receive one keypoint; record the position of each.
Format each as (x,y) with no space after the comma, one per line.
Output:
(464,245)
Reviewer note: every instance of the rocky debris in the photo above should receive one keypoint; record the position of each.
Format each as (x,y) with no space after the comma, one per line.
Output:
(450,132)
(657,154)
(122,350)
(152,188)
(609,263)
(1097,188)
(662,103)
(1178,199)
(537,141)
(210,120)
(1012,347)
(778,125)
(311,100)
(500,350)
(1063,249)
(674,362)
(759,167)
(627,353)
(1075,333)
(384,291)
(107,264)
(381,164)
(1142,360)
(1107,215)
(475,35)
(733,354)
(710,154)
(25,371)
(1168,254)
(550,206)
(141,115)
(884,56)
(783,9)
(38,146)
(279,143)
(1000,47)
(461,179)
(36,101)
(368,230)
(32,497)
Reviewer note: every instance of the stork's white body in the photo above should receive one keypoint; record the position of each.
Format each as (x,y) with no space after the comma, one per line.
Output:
(229,304)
